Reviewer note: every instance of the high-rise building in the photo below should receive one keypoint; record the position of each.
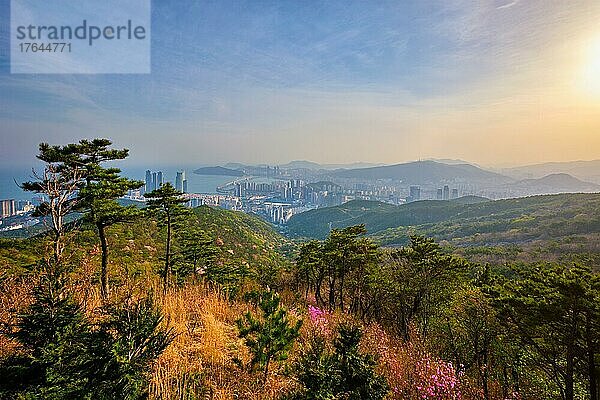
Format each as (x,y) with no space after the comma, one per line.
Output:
(7,208)
(159,179)
(455,193)
(179,178)
(181,182)
(414,193)
(440,194)
(154,181)
(446,192)
(148,187)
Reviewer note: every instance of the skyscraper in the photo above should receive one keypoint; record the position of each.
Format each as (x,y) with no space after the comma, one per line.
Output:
(446,192)
(159,179)
(181,182)
(154,181)
(148,186)
(455,193)
(440,194)
(414,193)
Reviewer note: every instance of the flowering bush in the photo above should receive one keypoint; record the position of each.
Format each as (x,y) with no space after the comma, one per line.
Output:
(436,379)
(320,320)
(412,373)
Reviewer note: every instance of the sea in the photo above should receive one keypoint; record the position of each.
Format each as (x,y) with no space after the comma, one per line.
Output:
(11,177)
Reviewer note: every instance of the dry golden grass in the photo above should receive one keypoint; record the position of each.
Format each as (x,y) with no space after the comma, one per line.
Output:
(15,295)
(198,364)
(200,361)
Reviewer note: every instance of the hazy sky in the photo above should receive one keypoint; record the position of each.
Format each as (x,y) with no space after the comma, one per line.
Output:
(493,82)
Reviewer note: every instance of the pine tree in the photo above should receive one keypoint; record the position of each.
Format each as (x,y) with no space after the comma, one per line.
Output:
(196,252)
(103,186)
(413,283)
(65,356)
(61,352)
(137,340)
(339,266)
(79,167)
(343,374)
(59,185)
(270,337)
(552,310)
(166,204)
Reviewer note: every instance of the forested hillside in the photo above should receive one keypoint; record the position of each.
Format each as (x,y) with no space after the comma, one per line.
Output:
(478,221)
(241,241)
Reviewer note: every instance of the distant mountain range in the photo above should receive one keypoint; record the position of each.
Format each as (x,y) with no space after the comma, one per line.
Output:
(220,171)
(437,173)
(302,164)
(553,184)
(426,172)
(585,170)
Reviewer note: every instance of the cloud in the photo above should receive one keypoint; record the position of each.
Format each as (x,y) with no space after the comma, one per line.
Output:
(453,78)
(507,5)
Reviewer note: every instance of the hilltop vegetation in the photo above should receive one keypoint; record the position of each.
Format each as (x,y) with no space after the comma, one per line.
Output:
(558,226)
(527,218)
(242,240)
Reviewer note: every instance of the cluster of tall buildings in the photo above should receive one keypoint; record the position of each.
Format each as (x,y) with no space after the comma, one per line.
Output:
(154,180)
(278,213)
(247,188)
(444,193)
(7,208)
(10,207)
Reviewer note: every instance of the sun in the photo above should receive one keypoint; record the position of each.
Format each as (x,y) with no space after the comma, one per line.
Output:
(591,73)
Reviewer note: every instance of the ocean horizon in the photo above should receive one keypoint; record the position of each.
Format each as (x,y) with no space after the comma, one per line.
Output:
(11,177)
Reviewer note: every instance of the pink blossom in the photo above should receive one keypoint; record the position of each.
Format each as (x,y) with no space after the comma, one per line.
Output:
(319,318)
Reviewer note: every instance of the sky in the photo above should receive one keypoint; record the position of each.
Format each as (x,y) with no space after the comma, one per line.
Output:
(495,82)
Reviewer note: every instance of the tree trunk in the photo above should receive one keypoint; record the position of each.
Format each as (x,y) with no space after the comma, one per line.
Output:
(167,256)
(57,237)
(485,377)
(104,265)
(332,299)
(569,371)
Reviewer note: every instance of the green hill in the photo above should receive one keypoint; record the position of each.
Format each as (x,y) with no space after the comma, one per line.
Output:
(317,223)
(375,215)
(476,223)
(241,239)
